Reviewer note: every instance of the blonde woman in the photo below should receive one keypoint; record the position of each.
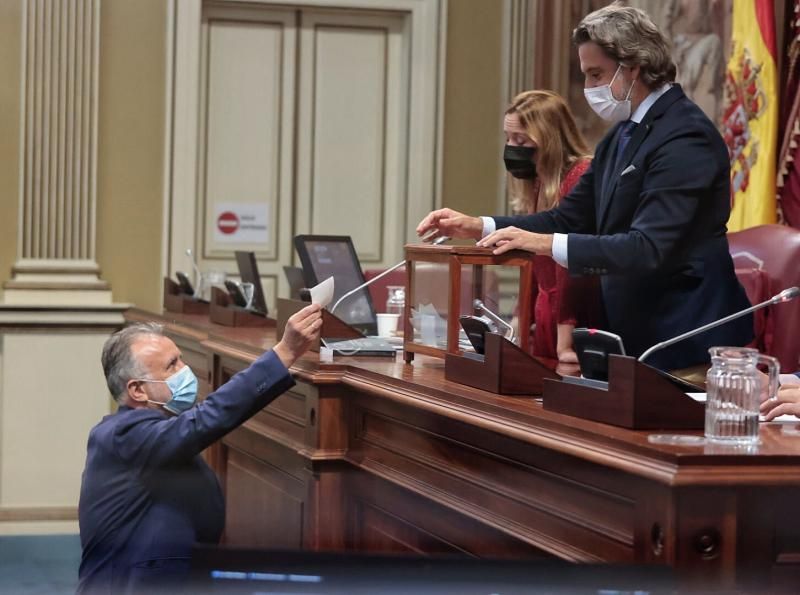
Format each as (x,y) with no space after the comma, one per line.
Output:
(545,156)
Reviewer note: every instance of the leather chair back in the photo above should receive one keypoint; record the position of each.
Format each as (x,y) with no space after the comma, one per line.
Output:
(767,260)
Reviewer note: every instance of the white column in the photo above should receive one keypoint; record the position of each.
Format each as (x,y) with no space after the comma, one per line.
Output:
(56,250)
(56,312)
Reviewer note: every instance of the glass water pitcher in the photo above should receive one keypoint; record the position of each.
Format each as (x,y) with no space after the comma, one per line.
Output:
(395,304)
(734,386)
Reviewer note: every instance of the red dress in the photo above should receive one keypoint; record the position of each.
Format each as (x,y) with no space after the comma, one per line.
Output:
(559,298)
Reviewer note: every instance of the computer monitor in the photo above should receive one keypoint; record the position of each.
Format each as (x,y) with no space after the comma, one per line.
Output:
(248,271)
(236,570)
(326,256)
(294,275)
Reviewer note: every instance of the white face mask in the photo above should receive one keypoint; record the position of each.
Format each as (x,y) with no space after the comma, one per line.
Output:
(602,101)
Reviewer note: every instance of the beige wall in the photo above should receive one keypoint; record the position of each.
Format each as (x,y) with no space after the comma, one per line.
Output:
(473,106)
(131,132)
(10,44)
(131,148)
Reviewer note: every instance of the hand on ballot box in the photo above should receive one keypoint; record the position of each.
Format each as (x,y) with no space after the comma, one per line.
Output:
(512,238)
(450,223)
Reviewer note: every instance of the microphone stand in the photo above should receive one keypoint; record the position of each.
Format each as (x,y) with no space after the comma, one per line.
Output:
(198,275)
(479,305)
(783,296)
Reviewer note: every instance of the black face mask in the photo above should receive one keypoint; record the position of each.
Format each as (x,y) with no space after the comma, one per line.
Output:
(519,161)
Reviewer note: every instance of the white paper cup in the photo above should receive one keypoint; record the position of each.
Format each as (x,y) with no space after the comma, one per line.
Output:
(387,324)
(325,355)
(428,330)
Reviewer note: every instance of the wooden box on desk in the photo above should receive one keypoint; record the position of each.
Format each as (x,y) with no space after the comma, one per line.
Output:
(637,397)
(503,369)
(181,303)
(223,311)
(449,278)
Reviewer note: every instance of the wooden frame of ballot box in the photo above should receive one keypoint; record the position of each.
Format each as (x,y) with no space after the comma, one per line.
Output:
(456,257)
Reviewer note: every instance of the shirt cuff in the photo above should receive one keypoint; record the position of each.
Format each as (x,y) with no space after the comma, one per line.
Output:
(789,379)
(489,226)
(560,249)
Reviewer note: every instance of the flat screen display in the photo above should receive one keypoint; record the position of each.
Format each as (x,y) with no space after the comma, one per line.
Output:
(294,276)
(249,571)
(248,271)
(326,256)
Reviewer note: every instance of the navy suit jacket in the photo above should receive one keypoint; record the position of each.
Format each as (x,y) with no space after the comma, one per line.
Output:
(656,234)
(147,495)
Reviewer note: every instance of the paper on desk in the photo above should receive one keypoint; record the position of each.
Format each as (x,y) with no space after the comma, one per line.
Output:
(701,397)
(322,293)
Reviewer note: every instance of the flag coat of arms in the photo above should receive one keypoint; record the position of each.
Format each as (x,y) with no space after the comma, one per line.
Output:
(750,116)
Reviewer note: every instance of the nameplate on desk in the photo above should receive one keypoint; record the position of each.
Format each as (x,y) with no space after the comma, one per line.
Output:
(580,380)
(362,346)
(478,357)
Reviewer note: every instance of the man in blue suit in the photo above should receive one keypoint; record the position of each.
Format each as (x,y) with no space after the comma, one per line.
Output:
(649,215)
(146,494)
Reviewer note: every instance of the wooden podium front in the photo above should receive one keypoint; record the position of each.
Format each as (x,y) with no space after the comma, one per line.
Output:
(379,456)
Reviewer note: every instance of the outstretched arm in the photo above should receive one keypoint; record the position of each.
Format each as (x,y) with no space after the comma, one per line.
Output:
(153,440)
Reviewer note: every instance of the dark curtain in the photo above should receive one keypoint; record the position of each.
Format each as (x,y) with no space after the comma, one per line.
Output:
(789,125)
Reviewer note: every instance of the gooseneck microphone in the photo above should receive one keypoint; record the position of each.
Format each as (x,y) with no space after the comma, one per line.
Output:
(784,296)
(198,276)
(479,305)
(437,242)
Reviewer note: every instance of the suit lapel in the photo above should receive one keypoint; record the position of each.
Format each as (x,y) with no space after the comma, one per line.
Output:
(641,132)
(613,173)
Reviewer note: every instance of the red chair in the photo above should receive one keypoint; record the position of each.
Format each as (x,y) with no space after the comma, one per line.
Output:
(379,291)
(767,260)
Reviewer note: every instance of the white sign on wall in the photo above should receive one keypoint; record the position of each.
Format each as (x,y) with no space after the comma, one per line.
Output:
(241,223)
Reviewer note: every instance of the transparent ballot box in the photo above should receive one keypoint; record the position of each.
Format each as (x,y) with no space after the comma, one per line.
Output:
(447,282)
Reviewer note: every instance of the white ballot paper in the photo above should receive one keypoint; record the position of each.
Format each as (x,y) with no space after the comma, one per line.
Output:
(701,397)
(322,293)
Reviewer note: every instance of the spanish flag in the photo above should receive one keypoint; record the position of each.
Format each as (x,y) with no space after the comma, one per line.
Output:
(750,116)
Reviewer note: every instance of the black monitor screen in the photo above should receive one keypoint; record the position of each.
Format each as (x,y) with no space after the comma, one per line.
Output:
(250,572)
(294,275)
(248,271)
(335,256)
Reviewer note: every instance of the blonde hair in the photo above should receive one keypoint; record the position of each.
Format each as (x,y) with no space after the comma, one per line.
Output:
(628,36)
(546,118)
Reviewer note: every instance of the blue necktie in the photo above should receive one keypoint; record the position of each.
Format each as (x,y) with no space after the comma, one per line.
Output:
(625,133)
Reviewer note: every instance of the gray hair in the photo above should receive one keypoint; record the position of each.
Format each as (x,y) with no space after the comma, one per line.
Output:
(119,364)
(629,36)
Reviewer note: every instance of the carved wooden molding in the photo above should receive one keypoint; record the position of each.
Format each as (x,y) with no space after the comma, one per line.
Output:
(38,513)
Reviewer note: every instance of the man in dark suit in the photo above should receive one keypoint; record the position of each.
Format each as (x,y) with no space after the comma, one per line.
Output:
(649,215)
(146,494)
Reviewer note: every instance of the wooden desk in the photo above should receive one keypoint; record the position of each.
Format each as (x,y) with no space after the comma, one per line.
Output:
(377,455)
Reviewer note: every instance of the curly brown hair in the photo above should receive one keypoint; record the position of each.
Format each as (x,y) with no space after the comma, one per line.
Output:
(629,36)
